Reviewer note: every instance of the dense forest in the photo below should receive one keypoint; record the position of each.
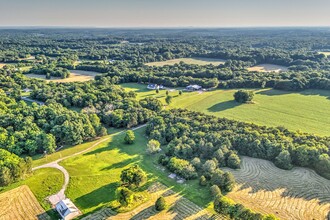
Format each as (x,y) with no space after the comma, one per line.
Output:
(199,140)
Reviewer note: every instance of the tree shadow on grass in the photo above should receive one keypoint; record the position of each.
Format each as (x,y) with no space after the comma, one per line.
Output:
(223,106)
(121,164)
(102,195)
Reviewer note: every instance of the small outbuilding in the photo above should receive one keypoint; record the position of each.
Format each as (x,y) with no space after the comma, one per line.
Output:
(67,209)
(193,87)
(155,86)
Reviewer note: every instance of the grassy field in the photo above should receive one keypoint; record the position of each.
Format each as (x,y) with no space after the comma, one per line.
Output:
(195,60)
(268,68)
(94,176)
(43,183)
(295,194)
(21,204)
(307,111)
(75,76)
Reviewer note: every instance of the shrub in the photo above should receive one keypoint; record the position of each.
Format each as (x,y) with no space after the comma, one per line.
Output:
(160,204)
(283,160)
(234,161)
(215,191)
(124,196)
(133,175)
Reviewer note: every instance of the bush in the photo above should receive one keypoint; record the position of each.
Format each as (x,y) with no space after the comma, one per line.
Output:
(129,137)
(160,204)
(243,96)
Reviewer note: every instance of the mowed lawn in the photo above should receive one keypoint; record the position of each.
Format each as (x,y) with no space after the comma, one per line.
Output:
(193,60)
(307,111)
(95,175)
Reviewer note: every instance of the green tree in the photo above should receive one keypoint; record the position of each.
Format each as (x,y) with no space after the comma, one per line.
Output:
(228,182)
(234,161)
(133,175)
(215,191)
(283,160)
(160,204)
(153,146)
(243,96)
(202,181)
(129,137)
(222,205)
(180,92)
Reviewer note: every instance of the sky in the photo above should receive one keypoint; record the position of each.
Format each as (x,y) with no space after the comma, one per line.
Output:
(165,13)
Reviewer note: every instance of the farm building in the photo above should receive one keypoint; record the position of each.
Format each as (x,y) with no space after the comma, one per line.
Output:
(67,209)
(155,86)
(193,87)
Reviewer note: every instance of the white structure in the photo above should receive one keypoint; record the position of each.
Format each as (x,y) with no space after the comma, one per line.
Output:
(155,86)
(67,209)
(193,87)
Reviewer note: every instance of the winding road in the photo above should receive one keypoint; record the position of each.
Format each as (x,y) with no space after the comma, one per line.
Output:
(54,199)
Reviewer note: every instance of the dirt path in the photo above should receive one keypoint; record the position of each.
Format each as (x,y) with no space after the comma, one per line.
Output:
(54,199)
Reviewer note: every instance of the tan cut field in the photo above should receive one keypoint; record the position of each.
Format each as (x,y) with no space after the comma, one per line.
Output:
(178,208)
(196,60)
(325,53)
(21,204)
(268,68)
(295,194)
(2,65)
(75,76)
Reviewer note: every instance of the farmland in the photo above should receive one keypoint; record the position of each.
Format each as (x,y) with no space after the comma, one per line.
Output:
(268,68)
(271,107)
(75,76)
(196,60)
(21,204)
(296,194)
(94,176)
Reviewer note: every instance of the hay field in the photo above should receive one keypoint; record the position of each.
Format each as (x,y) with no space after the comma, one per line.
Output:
(75,76)
(178,208)
(20,204)
(296,194)
(268,68)
(196,60)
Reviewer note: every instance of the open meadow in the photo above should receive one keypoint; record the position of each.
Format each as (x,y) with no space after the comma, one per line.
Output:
(271,107)
(268,68)
(75,76)
(295,194)
(194,60)
(95,175)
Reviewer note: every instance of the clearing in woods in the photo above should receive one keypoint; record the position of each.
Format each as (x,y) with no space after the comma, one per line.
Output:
(75,76)
(21,204)
(295,194)
(194,60)
(268,68)
(178,208)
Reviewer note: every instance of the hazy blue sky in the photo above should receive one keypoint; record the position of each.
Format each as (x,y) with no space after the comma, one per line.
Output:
(165,13)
